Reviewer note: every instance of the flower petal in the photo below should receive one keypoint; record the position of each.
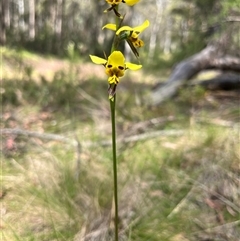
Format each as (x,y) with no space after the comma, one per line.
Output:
(131,2)
(116,59)
(136,30)
(133,66)
(110,26)
(97,60)
(114,2)
(124,28)
(113,80)
(137,43)
(140,28)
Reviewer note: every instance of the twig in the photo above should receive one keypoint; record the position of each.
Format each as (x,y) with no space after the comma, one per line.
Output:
(233,19)
(46,136)
(55,137)
(152,134)
(181,204)
(78,147)
(225,226)
(219,122)
(152,122)
(221,197)
(88,97)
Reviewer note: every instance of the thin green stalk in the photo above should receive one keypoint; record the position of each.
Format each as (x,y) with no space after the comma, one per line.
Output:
(115,40)
(112,105)
(114,150)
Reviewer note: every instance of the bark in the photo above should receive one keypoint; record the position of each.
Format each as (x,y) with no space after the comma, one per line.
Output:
(6,13)
(225,63)
(155,29)
(21,12)
(168,37)
(58,25)
(4,20)
(208,58)
(2,25)
(31,19)
(227,81)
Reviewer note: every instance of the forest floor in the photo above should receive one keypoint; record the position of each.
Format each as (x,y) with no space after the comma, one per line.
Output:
(25,63)
(179,163)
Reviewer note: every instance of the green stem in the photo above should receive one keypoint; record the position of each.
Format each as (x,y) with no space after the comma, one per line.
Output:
(114,149)
(115,40)
(112,105)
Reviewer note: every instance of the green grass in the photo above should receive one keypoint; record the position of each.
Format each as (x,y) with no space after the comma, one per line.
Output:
(167,185)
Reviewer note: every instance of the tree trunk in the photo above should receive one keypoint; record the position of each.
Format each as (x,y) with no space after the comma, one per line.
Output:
(2,25)
(6,10)
(31,19)
(21,12)
(4,20)
(167,38)
(155,30)
(58,25)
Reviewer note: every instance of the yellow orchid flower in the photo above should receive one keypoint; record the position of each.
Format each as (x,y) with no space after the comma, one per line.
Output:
(128,2)
(115,68)
(134,33)
(131,33)
(114,3)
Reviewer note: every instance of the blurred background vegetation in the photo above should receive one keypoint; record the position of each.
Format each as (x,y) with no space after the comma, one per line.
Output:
(178,162)
(179,28)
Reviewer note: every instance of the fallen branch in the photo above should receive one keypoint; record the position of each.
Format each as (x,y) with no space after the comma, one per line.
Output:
(225,63)
(221,228)
(208,58)
(218,122)
(183,71)
(73,142)
(222,82)
(45,136)
(143,125)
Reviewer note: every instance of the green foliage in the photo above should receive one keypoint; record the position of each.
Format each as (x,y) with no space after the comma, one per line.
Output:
(194,95)
(54,94)
(199,31)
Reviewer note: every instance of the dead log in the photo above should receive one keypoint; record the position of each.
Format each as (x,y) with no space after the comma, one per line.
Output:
(227,81)
(208,58)
(228,63)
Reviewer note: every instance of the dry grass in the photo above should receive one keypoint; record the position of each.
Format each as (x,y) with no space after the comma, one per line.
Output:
(178,187)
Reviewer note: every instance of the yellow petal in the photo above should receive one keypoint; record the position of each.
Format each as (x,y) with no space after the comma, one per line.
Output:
(133,66)
(131,2)
(137,29)
(116,59)
(114,2)
(97,60)
(124,28)
(141,27)
(137,43)
(110,26)
(113,80)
